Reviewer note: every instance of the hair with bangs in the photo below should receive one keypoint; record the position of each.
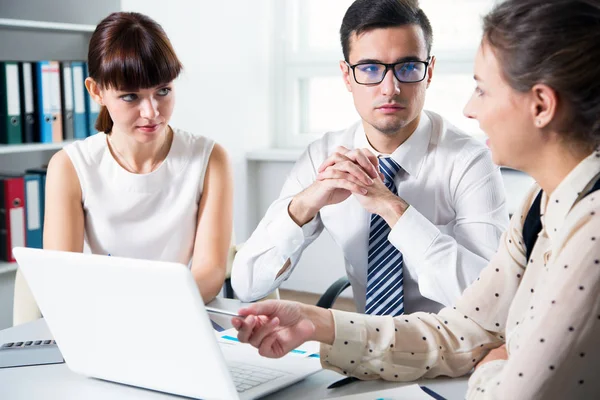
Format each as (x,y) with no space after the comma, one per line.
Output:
(129,51)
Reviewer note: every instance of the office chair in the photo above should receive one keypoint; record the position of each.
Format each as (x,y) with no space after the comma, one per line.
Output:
(25,308)
(333,292)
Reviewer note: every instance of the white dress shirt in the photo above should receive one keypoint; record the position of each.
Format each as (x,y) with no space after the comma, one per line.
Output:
(547,312)
(447,236)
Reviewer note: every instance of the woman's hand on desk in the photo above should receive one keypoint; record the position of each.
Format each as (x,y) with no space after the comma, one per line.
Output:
(276,327)
(496,354)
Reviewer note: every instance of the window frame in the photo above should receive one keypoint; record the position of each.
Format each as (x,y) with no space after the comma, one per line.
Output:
(294,62)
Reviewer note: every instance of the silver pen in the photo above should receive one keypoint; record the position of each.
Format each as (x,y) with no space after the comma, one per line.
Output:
(222,312)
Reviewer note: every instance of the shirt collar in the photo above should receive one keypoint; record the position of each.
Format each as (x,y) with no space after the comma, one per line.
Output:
(554,209)
(410,155)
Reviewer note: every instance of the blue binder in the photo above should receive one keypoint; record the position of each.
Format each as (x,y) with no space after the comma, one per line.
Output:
(80,117)
(41,172)
(34,200)
(42,90)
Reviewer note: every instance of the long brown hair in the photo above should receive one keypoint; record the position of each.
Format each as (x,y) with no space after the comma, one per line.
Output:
(556,43)
(130,51)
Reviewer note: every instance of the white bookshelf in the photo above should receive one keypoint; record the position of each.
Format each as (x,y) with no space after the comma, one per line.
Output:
(29,147)
(45,25)
(35,30)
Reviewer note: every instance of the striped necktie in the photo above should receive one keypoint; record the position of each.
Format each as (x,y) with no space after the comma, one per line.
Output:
(385,289)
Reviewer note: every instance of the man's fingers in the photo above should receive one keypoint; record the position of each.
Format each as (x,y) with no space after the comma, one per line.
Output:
(333,159)
(331,173)
(341,150)
(351,168)
(366,160)
(347,185)
(363,158)
(338,155)
(371,157)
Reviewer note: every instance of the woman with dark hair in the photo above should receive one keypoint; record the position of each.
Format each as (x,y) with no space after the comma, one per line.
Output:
(530,323)
(140,188)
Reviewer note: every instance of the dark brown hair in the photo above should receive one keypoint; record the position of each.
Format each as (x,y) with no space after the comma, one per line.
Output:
(129,51)
(364,15)
(556,43)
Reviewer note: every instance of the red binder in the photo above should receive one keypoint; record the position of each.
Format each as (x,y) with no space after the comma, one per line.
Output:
(12,215)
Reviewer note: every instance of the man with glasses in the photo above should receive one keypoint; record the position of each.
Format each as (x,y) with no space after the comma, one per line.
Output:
(416,205)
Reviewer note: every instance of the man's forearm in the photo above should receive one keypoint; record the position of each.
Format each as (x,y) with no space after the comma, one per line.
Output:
(393,209)
(300,212)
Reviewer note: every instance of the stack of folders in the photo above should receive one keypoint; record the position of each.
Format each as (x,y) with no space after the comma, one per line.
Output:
(21,210)
(45,102)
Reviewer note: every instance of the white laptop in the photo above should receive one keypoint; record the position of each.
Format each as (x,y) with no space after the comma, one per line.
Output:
(143,323)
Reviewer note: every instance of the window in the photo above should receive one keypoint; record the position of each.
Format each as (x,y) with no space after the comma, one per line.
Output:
(310,95)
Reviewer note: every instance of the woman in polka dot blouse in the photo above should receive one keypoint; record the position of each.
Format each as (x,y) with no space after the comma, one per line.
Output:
(530,328)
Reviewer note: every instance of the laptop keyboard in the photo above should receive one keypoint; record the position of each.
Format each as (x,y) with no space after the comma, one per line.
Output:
(246,376)
(30,352)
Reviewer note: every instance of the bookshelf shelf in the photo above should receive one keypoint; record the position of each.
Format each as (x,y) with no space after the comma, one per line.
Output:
(31,147)
(6,267)
(45,25)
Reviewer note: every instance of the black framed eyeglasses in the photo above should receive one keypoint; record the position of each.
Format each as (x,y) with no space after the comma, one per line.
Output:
(372,73)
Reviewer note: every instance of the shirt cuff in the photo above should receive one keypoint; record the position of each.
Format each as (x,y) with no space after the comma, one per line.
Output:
(286,235)
(482,376)
(413,234)
(346,353)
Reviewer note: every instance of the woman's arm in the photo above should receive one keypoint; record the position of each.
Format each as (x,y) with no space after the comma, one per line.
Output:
(215,223)
(63,220)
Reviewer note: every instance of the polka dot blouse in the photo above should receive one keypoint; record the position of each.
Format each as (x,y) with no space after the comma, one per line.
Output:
(546,311)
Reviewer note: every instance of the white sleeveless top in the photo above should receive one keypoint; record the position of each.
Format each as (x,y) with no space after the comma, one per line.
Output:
(149,216)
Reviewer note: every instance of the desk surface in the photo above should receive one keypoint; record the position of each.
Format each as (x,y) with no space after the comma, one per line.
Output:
(57,381)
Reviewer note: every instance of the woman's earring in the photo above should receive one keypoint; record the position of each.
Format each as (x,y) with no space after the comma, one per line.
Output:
(538,122)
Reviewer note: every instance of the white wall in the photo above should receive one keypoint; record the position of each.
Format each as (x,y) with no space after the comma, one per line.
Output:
(226,94)
(225,90)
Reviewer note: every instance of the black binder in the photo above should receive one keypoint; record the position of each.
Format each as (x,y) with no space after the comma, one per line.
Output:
(30,129)
(66,100)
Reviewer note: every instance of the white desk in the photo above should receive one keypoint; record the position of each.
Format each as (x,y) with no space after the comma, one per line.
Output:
(58,382)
